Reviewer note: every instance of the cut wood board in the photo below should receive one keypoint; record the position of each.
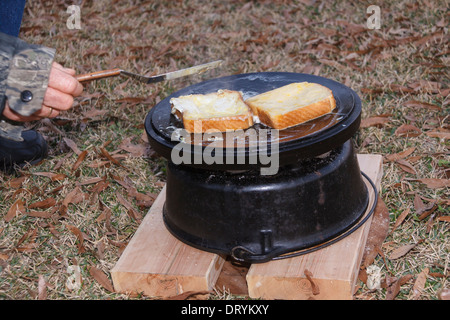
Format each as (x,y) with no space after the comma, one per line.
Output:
(157,264)
(334,268)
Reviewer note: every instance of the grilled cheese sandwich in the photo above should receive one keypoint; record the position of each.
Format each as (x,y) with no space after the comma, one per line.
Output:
(218,111)
(292,104)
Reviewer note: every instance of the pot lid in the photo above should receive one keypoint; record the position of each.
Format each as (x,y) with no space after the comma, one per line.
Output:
(306,140)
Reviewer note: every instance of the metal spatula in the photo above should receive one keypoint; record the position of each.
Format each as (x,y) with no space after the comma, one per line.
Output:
(162,77)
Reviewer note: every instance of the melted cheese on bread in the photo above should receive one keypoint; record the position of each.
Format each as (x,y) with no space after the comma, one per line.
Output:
(292,104)
(218,111)
(224,103)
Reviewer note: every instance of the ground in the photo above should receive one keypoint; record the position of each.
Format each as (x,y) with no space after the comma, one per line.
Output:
(64,222)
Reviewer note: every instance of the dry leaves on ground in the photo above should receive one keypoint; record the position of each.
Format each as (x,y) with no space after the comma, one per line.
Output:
(95,174)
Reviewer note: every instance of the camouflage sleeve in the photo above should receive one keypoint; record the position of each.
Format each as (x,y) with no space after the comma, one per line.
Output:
(24,72)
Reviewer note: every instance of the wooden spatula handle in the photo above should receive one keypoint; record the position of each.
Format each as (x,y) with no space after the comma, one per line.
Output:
(98,75)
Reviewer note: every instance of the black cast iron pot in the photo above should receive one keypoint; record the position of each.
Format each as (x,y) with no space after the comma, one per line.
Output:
(256,218)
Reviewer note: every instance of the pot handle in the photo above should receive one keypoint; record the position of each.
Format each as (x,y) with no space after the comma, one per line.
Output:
(98,75)
(243,254)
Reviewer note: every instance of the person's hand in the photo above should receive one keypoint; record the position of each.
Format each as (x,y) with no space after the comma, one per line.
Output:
(62,87)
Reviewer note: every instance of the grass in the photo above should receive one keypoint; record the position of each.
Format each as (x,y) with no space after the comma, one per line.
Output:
(152,37)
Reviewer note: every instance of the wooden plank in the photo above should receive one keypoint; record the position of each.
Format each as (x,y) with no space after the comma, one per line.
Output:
(232,278)
(155,263)
(334,268)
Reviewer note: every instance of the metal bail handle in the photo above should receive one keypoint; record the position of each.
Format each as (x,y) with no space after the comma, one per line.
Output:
(243,254)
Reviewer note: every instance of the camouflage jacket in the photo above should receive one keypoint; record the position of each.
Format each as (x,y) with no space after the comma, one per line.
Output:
(24,72)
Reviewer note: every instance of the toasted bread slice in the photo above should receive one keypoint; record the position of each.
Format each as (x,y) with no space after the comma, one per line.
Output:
(218,111)
(292,104)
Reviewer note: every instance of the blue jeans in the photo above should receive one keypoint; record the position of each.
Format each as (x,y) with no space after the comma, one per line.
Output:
(11,12)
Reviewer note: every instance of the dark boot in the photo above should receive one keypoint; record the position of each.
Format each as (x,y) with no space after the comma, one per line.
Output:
(17,154)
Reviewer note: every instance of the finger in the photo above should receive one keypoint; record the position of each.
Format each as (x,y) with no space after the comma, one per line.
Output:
(46,112)
(64,69)
(57,66)
(64,82)
(57,99)
(11,115)
(70,71)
